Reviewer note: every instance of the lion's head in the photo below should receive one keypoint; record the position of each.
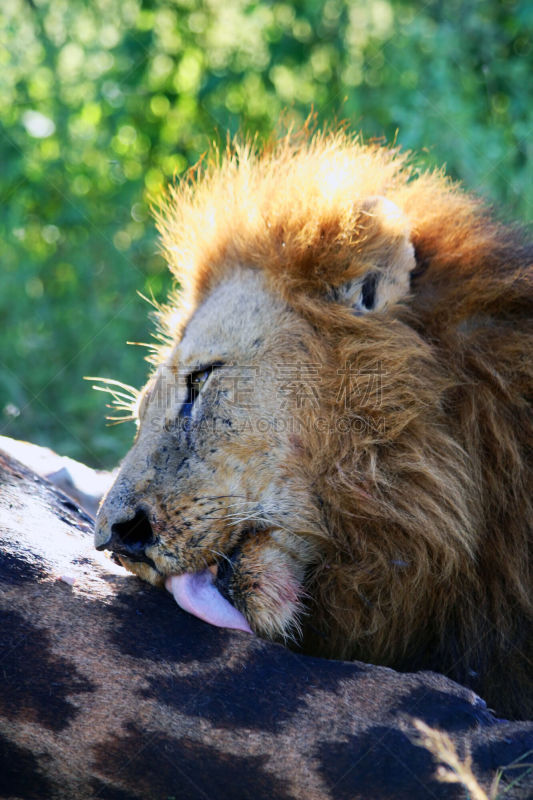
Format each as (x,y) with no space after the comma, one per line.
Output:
(315,443)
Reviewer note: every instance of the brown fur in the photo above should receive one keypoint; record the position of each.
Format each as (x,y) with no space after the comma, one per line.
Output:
(404,538)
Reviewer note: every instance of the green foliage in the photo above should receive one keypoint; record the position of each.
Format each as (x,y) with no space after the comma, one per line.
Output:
(103,101)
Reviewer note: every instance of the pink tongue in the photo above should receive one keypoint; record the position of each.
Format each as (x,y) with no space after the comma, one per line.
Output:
(196,593)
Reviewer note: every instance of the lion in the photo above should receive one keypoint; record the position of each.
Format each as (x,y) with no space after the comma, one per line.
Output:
(334,448)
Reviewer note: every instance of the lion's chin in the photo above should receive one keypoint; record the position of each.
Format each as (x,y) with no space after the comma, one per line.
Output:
(196,593)
(144,571)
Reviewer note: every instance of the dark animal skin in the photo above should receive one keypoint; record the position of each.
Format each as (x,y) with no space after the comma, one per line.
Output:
(110,691)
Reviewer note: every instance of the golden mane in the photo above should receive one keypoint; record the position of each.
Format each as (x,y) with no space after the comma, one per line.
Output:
(293,209)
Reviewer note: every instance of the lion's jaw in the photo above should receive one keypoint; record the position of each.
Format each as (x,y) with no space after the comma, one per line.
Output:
(224,486)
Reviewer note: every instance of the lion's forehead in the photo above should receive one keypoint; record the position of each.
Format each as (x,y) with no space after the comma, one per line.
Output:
(232,322)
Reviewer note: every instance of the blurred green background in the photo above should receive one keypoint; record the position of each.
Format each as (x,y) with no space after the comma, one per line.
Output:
(103,101)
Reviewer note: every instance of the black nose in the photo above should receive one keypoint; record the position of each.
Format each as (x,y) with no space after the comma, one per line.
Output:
(129,538)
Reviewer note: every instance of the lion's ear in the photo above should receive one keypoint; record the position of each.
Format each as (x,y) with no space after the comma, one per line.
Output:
(385,253)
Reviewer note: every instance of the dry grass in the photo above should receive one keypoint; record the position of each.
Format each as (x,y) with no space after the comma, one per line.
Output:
(452,769)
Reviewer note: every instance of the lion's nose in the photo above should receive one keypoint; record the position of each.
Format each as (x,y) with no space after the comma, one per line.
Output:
(130,537)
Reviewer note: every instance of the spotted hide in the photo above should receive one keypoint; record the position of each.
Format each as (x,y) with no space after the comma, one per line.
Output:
(108,690)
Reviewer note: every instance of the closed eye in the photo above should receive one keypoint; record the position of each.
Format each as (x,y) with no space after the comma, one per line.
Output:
(195,382)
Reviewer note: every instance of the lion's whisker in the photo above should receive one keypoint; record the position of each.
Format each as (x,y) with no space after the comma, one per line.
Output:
(220,555)
(217,496)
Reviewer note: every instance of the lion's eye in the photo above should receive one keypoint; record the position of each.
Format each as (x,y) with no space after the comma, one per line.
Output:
(195,382)
(198,380)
